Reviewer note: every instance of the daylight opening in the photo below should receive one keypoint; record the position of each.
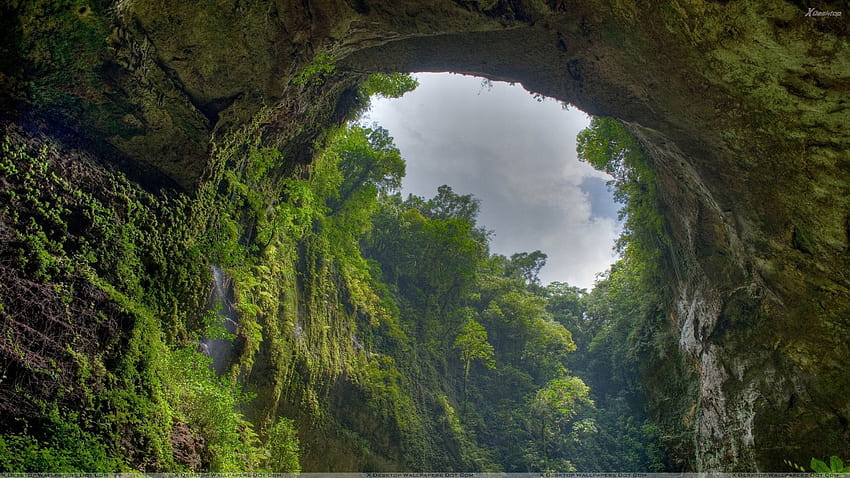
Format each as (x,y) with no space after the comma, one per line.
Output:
(515,152)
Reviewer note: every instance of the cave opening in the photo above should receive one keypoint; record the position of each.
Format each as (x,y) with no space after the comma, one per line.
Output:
(516,152)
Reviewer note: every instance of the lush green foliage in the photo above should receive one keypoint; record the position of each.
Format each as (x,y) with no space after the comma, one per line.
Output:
(608,146)
(525,394)
(623,331)
(283,447)
(119,276)
(68,448)
(453,358)
(528,265)
(316,71)
(103,258)
(368,163)
(384,85)
(209,405)
(488,349)
(472,344)
(392,85)
(835,466)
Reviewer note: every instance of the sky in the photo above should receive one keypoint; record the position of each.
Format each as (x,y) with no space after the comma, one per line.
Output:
(517,155)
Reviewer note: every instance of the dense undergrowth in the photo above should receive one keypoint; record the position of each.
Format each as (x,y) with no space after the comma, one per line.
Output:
(103,298)
(375,332)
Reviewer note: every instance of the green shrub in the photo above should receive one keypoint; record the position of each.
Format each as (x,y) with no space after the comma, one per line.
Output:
(210,404)
(68,449)
(283,447)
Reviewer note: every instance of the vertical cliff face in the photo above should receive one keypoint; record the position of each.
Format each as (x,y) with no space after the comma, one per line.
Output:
(743,105)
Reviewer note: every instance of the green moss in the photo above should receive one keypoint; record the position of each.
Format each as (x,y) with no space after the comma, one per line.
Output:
(64,44)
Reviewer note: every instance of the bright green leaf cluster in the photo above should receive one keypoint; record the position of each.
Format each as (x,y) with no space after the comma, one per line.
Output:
(836,465)
(317,71)
(393,85)
(472,344)
(609,147)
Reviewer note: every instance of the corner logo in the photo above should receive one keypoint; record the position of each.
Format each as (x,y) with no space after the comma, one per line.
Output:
(813,12)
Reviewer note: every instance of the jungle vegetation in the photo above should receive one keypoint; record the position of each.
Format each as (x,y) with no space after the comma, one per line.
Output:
(376,332)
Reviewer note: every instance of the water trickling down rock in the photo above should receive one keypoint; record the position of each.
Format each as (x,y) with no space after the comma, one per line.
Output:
(221,300)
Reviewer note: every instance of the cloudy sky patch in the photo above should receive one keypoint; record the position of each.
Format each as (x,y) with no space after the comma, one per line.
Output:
(515,154)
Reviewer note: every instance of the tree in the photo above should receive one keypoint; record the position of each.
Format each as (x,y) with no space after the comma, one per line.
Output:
(393,85)
(608,146)
(527,265)
(432,246)
(473,345)
(561,399)
(567,304)
(547,349)
(283,446)
(368,159)
(448,204)
(556,404)
(518,310)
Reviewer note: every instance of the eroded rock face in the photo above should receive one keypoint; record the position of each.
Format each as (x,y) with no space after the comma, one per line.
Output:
(744,106)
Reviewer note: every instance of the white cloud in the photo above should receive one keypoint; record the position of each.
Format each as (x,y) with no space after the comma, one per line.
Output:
(515,154)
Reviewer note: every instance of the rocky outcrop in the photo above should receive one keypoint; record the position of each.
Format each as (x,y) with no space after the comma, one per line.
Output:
(743,105)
